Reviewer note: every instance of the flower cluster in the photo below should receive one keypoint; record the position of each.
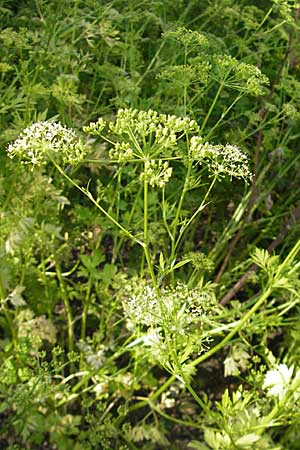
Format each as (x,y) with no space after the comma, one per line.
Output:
(178,317)
(291,111)
(143,133)
(200,261)
(95,128)
(150,127)
(94,358)
(186,75)
(40,327)
(146,134)
(143,306)
(238,75)
(156,173)
(172,325)
(188,38)
(221,160)
(121,152)
(46,140)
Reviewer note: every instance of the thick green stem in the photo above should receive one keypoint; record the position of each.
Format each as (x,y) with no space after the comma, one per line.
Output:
(10,322)
(176,219)
(292,254)
(116,250)
(146,235)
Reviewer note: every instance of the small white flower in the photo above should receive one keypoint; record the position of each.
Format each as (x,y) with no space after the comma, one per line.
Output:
(167,402)
(152,337)
(101,388)
(42,141)
(221,160)
(278,380)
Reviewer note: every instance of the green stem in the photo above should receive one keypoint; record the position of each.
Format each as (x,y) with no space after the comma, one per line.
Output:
(197,398)
(86,308)
(146,235)
(10,322)
(211,107)
(152,62)
(8,316)
(235,330)
(66,301)
(198,210)
(146,192)
(223,115)
(121,240)
(116,200)
(164,209)
(46,284)
(173,419)
(184,100)
(287,262)
(176,219)
(184,190)
(144,403)
(91,198)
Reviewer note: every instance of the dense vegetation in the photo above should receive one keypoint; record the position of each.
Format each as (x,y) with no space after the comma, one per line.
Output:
(149,234)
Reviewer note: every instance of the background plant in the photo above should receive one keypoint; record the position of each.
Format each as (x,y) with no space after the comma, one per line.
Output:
(104,339)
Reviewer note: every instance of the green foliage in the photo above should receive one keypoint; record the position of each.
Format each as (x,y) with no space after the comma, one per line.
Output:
(149,225)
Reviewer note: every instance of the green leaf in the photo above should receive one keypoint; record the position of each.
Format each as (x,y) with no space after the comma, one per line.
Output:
(16,298)
(197,445)
(179,264)
(161,261)
(93,260)
(248,440)
(108,272)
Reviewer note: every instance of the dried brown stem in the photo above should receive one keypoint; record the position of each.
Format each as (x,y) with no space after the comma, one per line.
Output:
(283,233)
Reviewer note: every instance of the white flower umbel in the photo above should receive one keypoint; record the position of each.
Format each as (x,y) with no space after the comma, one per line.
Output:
(180,306)
(171,326)
(43,141)
(221,160)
